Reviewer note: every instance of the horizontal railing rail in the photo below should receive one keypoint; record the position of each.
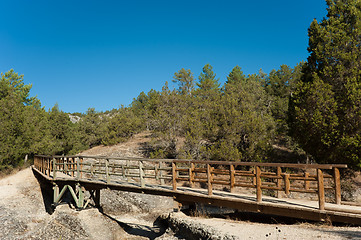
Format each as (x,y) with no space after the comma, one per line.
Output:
(276,178)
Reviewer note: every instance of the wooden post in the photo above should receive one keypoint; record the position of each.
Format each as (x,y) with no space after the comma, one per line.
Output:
(307,182)
(336,178)
(161,174)
(48,166)
(321,190)
(254,176)
(191,175)
(231,178)
(107,170)
(54,168)
(65,166)
(287,184)
(156,172)
(209,179)
(72,166)
(174,177)
(279,180)
(258,184)
(92,169)
(141,174)
(127,171)
(123,171)
(81,167)
(77,168)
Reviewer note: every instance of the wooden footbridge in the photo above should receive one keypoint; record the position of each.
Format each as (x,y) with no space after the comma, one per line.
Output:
(266,188)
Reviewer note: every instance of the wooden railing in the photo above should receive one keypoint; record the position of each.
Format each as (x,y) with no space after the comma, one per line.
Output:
(276,178)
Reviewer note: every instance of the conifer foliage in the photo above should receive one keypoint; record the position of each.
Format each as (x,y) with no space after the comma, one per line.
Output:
(325,113)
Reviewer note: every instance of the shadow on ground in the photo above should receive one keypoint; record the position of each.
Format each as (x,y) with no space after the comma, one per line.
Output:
(158,229)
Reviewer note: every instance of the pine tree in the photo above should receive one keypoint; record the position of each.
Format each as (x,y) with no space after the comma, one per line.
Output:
(185,80)
(208,83)
(325,109)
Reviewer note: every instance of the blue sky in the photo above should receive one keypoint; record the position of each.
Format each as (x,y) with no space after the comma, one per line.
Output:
(102,54)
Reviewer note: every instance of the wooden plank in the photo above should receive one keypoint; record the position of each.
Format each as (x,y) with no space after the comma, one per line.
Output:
(286,165)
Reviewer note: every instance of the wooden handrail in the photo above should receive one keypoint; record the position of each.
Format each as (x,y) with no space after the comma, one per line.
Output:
(195,171)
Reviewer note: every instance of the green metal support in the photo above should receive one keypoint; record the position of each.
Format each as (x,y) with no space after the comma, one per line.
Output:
(78,194)
(80,190)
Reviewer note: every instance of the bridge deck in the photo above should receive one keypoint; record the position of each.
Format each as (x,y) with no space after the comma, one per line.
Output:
(296,208)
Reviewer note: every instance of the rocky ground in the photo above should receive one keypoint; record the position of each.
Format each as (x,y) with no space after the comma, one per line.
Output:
(25,213)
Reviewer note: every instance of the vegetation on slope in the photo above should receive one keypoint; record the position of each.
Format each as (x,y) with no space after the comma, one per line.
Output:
(313,108)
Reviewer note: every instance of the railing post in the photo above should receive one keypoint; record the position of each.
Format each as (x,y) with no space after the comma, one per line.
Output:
(287,184)
(107,170)
(141,174)
(191,177)
(161,173)
(48,166)
(209,179)
(77,168)
(279,180)
(127,171)
(72,167)
(123,171)
(337,183)
(254,177)
(231,178)
(65,166)
(54,167)
(321,190)
(81,167)
(307,182)
(258,184)
(174,177)
(156,172)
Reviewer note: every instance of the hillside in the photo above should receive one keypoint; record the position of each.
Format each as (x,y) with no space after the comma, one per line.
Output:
(24,214)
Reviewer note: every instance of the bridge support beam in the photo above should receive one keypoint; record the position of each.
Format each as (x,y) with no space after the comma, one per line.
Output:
(78,195)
